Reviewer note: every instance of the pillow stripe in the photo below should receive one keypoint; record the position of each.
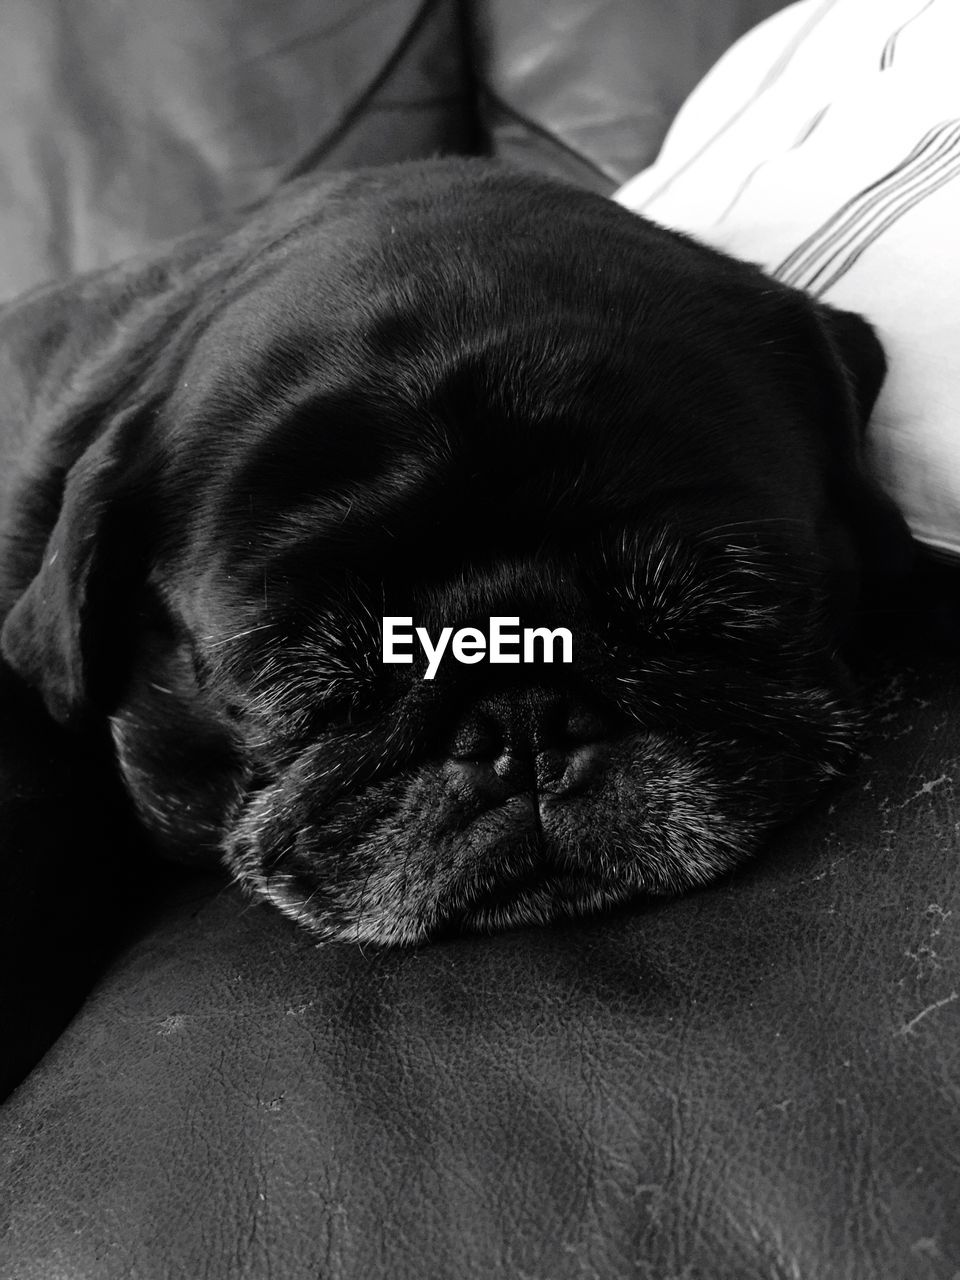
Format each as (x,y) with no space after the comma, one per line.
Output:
(772,76)
(925,161)
(952,169)
(886,58)
(803,135)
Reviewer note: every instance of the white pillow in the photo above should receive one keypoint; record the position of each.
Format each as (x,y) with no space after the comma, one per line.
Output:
(825,146)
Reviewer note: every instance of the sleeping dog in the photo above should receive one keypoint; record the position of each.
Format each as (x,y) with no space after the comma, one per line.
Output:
(451,394)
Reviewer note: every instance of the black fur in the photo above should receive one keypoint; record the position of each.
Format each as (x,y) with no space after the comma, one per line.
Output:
(448,390)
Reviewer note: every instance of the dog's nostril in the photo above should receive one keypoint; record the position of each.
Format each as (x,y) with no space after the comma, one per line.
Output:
(583,726)
(477,739)
(525,723)
(556,723)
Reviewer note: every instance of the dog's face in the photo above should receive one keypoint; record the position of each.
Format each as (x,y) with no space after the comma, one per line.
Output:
(456,394)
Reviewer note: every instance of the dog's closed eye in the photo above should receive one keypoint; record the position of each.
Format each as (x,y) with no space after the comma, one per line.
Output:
(718,592)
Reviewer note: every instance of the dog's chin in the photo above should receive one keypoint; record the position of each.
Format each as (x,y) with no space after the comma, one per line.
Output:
(533,893)
(415,857)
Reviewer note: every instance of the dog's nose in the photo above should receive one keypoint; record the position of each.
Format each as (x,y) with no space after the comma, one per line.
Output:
(523,739)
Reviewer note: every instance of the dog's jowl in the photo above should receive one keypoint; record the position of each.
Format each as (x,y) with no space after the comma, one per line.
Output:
(444,393)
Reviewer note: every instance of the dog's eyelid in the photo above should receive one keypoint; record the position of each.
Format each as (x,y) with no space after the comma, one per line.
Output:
(716,612)
(731,580)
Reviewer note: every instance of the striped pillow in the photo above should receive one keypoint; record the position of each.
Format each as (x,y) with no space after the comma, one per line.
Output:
(825,145)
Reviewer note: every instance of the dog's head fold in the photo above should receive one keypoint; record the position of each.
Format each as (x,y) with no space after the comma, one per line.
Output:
(88,368)
(91,366)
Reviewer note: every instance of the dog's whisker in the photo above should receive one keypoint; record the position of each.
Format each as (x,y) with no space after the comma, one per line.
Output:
(238,635)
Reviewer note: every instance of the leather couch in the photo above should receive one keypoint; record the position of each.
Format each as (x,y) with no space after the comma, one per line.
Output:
(759,1080)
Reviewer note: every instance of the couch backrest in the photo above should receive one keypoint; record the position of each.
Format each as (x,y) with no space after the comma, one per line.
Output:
(125,124)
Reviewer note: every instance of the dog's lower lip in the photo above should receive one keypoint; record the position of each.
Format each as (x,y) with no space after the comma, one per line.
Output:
(509,890)
(544,874)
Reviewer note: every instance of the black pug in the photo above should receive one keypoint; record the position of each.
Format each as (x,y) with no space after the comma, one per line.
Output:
(446,391)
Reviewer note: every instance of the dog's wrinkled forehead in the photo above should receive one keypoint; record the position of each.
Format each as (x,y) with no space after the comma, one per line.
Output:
(374,398)
(479,450)
(488,443)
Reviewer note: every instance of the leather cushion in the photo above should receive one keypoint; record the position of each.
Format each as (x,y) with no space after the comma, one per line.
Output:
(756,1080)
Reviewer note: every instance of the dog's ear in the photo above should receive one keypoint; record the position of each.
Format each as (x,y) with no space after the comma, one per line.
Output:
(57,632)
(85,369)
(858,351)
(886,549)
(88,370)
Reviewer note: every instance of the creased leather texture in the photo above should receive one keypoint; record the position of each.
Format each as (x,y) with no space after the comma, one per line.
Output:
(586,89)
(121,125)
(72,875)
(124,124)
(758,1080)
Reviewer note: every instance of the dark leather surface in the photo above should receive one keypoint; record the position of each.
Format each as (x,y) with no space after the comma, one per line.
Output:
(72,873)
(759,1080)
(586,89)
(122,124)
